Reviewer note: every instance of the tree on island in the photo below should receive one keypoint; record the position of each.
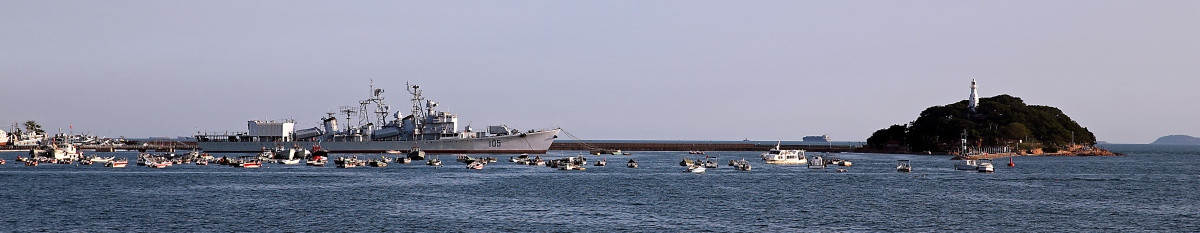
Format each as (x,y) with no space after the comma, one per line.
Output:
(33,126)
(1001,120)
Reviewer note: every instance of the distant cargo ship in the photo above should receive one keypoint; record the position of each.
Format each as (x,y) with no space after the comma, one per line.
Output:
(424,128)
(822,138)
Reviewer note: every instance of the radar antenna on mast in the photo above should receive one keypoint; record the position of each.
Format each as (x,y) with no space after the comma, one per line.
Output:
(380,110)
(348,111)
(418,112)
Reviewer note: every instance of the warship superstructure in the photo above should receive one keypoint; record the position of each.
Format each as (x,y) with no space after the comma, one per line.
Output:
(379,130)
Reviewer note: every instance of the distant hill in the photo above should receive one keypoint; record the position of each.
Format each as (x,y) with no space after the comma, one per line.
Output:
(1177,140)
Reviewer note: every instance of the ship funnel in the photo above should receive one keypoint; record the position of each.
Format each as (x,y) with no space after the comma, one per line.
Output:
(331,125)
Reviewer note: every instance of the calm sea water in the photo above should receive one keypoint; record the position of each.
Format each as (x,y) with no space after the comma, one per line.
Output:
(1153,188)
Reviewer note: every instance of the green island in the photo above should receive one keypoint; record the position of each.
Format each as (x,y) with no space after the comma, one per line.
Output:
(998,126)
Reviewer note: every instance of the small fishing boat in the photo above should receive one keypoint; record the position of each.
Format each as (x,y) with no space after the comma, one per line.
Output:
(102,160)
(403,160)
(538,161)
(985,165)
(416,153)
(318,152)
(570,166)
(31,163)
(289,161)
(687,162)
(742,165)
(840,162)
(841,170)
(201,162)
(316,160)
(477,165)
(378,163)
(598,151)
(696,152)
(434,162)
(709,163)
(601,163)
(631,164)
(2,162)
(346,162)
(903,166)
(966,165)
(251,164)
(696,168)
(817,162)
(157,164)
(116,163)
(267,153)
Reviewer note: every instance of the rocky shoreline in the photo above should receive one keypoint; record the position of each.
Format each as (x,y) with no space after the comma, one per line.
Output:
(1073,151)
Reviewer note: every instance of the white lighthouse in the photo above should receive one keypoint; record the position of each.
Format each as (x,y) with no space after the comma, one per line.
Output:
(974,101)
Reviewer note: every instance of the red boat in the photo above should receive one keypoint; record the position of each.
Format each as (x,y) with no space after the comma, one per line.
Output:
(252,164)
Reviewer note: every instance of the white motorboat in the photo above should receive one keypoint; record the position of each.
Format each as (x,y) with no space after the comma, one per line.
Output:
(967,165)
(777,156)
(290,161)
(346,162)
(904,166)
(98,159)
(116,163)
(709,163)
(696,168)
(475,165)
(817,162)
(742,165)
(985,166)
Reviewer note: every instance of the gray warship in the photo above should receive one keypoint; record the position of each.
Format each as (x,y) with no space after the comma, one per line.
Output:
(379,130)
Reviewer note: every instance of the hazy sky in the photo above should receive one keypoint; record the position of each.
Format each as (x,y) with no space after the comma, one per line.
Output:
(720,70)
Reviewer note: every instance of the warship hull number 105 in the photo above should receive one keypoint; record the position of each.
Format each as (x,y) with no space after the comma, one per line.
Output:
(380,130)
